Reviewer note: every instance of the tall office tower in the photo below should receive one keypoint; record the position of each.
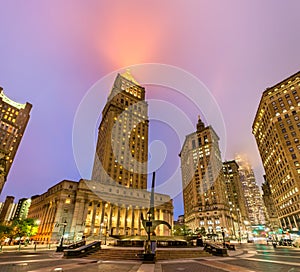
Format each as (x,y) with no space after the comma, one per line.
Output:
(205,204)
(235,195)
(8,210)
(276,130)
(13,121)
(122,146)
(22,208)
(272,217)
(253,197)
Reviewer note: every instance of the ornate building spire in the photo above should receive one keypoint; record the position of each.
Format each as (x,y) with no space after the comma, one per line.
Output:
(200,124)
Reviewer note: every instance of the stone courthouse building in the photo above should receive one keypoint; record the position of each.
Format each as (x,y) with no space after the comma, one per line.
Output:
(95,210)
(113,202)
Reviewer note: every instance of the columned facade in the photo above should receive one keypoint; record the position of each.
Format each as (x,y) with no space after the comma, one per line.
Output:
(95,210)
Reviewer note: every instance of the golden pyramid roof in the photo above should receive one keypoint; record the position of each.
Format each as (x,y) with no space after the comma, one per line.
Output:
(127,74)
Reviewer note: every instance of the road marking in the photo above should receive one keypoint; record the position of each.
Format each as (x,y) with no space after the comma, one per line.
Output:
(27,261)
(225,266)
(64,267)
(282,256)
(270,261)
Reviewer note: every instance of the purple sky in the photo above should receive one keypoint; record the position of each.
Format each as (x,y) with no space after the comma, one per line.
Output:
(52,52)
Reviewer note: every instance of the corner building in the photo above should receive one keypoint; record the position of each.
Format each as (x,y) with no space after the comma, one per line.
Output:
(205,203)
(13,121)
(276,128)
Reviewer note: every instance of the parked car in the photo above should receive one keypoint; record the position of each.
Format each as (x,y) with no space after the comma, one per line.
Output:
(285,242)
(296,242)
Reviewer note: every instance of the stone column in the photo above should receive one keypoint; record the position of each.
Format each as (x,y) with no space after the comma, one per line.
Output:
(93,218)
(103,203)
(109,222)
(118,221)
(294,219)
(132,220)
(288,218)
(139,210)
(125,220)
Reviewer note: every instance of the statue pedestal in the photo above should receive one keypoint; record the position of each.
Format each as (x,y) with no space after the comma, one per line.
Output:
(148,257)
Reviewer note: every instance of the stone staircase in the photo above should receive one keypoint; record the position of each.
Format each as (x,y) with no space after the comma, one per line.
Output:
(121,253)
(117,253)
(180,253)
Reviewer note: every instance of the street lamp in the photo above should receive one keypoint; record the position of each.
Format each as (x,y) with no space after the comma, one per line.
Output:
(223,235)
(37,222)
(239,226)
(149,225)
(64,229)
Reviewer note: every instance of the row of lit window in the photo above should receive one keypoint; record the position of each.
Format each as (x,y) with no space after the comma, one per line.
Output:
(282,86)
(290,193)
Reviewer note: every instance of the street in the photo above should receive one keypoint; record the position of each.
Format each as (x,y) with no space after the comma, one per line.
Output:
(247,257)
(251,257)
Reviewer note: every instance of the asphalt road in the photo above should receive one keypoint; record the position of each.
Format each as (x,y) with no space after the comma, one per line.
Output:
(248,257)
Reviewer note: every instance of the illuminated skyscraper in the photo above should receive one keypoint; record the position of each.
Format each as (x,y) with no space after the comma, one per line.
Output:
(116,199)
(272,217)
(252,194)
(205,204)
(276,128)
(13,121)
(122,146)
(8,210)
(235,196)
(22,208)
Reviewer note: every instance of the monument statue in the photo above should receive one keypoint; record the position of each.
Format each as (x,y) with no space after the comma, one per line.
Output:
(150,223)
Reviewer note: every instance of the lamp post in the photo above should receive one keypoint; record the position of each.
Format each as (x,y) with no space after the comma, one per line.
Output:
(148,225)
(239,226)
(64,229)
(223,235)
(100,236)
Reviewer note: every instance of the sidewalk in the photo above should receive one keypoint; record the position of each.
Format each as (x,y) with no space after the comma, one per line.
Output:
(28,247)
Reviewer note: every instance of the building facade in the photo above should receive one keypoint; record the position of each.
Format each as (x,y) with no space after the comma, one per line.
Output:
(22,208)
(13,121)
(253,197)
(236,200)
(205,203)
(272,217)
(276,129)
(116,200)
(95,210)
(122,146)
(8,210)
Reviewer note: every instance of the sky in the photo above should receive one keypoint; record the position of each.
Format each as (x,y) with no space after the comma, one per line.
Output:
(53,52)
